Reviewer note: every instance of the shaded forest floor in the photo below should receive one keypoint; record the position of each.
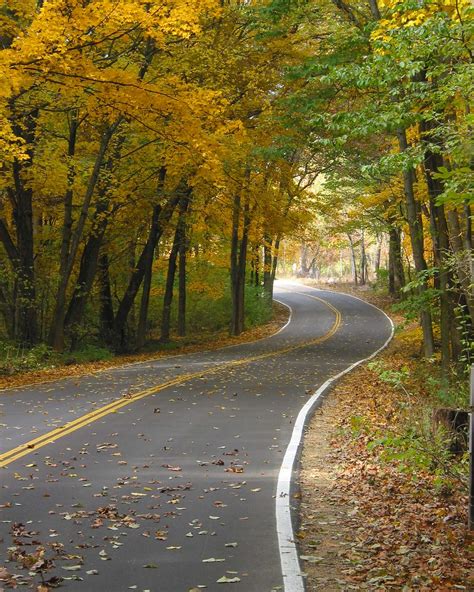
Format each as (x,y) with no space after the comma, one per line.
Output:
(383,504)
(153,350)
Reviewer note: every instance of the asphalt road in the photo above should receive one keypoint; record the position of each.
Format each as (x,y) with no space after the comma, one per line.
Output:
(162,475)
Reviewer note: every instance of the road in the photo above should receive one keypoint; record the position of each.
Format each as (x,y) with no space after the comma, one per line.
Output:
(162,475)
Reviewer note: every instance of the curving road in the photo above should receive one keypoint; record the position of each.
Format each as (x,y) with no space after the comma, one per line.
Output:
(162,475)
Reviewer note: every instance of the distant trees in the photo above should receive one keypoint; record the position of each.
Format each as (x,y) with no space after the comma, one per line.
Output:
(396,77)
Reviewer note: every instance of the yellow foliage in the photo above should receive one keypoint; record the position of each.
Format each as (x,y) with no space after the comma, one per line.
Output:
(397,15)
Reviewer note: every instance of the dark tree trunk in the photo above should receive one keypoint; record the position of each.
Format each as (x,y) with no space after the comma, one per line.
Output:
(161,217)
(242,266)
(21,197)
(183,248)
(363,261)
(257,266)
(276,254)
(353,261)
(6,306)
(416,236)
(168,296)
(267,264)
(145,300)
(440,238)
(178,248)
(105,294)
(56,335)
(463,259)
(70,245)
(378,256)
(271,263)
(87,269)
(396,271)
(234,276)
(238,260)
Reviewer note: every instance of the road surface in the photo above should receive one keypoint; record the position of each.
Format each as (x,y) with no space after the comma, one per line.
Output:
(162,475)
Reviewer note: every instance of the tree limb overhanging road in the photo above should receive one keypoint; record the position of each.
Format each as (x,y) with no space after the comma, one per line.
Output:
(162,475)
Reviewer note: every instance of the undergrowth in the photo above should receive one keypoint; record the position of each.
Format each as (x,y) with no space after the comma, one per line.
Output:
(405,433)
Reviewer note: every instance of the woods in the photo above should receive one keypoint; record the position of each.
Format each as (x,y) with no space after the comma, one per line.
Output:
(148,147)
(162,166)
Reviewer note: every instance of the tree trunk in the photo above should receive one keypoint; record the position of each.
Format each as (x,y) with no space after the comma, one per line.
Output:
(257,267)
(440,238)
(178,248)
(416,236)
(267,265)
(378,256)
(26,325)
(70,246)
(106,304)
(89,263)
(168,297)
(353,261)
(161,216)
(276,252)
(145,299)
(56,335)
(238,261)
(463,259)
(363,261)
(234,275)
(396,271)
(182,253)
(242,265)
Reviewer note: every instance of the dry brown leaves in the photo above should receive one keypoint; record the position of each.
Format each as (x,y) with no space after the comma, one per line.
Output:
(365,523)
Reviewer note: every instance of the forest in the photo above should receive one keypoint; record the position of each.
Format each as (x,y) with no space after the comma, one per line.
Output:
(156,157)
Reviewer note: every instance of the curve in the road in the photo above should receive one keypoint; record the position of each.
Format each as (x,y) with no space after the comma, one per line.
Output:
(290,565)
(18,452)
(249,393)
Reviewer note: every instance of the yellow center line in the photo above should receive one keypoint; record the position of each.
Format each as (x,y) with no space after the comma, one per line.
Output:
(32,445)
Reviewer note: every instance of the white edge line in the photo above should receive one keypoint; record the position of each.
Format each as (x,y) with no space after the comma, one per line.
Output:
(290,566)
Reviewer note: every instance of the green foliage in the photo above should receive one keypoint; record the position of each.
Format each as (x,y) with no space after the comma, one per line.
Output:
(395,378)
(88,353)
(413,442)
(464,326)
(381,280)
(258,308)
(359,425)
(416,302)
(14,359)
(416,450)
(453,394)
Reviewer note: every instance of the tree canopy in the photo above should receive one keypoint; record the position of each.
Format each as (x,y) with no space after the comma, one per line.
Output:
(149,148)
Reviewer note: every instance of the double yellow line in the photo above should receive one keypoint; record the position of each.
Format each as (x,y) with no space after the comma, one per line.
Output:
(32,445)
